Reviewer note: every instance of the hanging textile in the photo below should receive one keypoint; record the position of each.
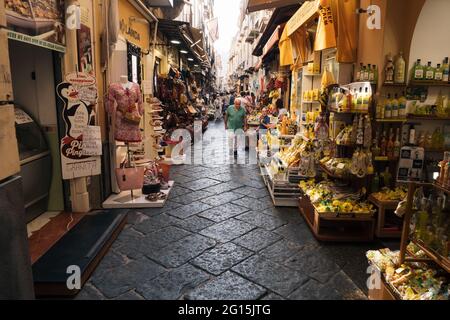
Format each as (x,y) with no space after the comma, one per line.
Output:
(347,26)
(326,34)
(285,45)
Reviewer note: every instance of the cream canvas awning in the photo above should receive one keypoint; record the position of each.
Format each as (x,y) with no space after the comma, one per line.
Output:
(307,11)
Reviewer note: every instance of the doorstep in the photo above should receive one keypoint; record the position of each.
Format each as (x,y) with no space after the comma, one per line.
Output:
(83,246)
(47,229)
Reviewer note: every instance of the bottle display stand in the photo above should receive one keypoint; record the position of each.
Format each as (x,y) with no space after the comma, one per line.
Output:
(123,200)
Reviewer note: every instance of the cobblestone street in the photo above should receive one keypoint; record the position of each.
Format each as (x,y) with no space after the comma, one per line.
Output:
(220,237)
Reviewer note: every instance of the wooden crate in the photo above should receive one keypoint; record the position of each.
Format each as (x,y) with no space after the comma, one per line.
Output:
(383,208)
(342,228)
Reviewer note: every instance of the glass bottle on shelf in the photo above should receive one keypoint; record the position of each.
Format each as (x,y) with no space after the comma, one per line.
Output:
(389,69)
(367,73)
(390,145)
(375,185)
(421,139)
(388,107)
(394,107)
(429,73)
(387,178)
(412,135)
(371,74)
(375,147)
(375,74)
(438,75)
(418,70)
(383,144)
(400,66)
(397,145)
(402,106)
(423,219)
(358,72)
(445,71)
(443,165)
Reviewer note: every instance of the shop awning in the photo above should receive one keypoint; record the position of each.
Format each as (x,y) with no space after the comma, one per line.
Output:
(304,14)
(273,41)
(190,39)
(257,5)
(279,16)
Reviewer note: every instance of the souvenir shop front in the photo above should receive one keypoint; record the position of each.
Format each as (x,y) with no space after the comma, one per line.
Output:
(138,179)
(370,156)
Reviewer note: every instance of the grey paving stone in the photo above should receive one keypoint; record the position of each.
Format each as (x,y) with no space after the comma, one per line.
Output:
(182,179)
(298,233)
(199,184)
(181,251)
(178,191)
(161,238)
(221,199)
(173,284)
(311,261)
(224,187)
(223,212)
(346,287)
(194,223)
(110,261)
(221,258)
(135,217)
(124,278)
(281,251)
(155,223)
(192,197)
(314,290)
(151,212)
(227,230)
(252,192)
(89,292)
(224,177)
(290,215)
(130,295)
(228,286)
(128,234)
(271,275)
(272,297)
(189,210)
(262,220)
(257,239)
(254,204)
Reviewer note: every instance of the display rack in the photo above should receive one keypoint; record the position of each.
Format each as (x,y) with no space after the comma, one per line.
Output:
(405,256)
(348,227)
(283,192)
(139,201)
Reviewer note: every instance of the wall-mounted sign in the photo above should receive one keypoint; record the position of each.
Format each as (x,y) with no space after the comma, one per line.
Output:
(35,41)
(306,12)
(126,29)
(79,95)
(41,20)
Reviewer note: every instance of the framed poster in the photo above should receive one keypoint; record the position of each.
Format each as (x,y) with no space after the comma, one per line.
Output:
(85,59)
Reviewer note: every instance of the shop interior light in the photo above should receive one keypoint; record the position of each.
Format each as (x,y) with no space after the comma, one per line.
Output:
(175,41)
(190,59)
(183,51)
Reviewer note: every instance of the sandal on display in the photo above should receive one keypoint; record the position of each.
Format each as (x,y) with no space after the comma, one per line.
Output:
(153,197)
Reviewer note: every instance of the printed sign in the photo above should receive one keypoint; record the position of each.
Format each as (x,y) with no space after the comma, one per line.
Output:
(79,94)
(22,117)
(92,141)
(146,86)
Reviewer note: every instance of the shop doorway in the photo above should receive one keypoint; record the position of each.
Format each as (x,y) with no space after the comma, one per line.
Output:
(35,71)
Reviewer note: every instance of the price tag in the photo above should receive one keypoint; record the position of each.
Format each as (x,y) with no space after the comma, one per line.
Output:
(341,166)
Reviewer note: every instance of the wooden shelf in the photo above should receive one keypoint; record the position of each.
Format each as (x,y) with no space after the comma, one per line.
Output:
(443,262)
(381,231)
(433,255)
(394,84)
(428,83)
(391,120)
(427,118)
(347,112)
